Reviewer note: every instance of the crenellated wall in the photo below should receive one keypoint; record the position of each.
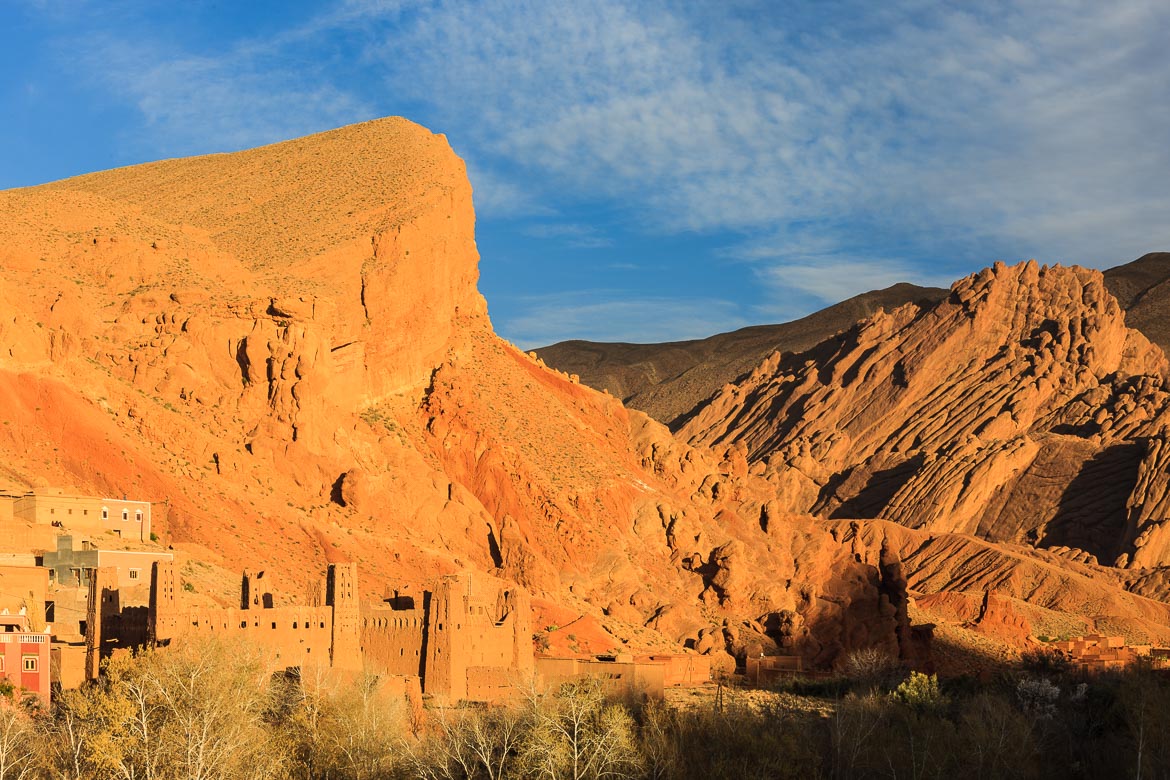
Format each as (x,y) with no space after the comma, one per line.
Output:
(468,639)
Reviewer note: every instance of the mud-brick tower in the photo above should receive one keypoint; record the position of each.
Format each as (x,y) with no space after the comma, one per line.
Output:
(103,601)
(446,672)
(163,620)
(341,594)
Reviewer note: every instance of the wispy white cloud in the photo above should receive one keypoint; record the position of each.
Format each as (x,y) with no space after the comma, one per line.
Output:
(198,103)
(571,234)
(550,319)
(1038,126)
(803,271)
(498,196)
(825,142)
(989,121)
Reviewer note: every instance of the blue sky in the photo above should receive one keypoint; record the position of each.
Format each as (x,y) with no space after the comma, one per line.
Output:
(646,171)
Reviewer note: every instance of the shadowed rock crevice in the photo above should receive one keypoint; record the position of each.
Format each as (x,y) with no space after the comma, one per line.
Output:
(1091,513)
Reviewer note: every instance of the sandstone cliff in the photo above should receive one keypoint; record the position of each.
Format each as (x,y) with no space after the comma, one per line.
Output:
(287,347)
(1020,409)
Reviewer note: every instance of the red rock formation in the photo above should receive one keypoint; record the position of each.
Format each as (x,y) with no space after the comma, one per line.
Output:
(286,345)
(1019,409)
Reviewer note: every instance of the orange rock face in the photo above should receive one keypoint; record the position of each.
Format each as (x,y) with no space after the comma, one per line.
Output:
(1019,409)
(287,347)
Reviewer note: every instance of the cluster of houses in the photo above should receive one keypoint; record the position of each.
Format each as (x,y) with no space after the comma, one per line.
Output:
(66,603)
(1100,653)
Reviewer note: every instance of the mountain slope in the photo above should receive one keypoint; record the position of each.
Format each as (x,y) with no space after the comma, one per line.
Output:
(1020,409)
(667,381)
(286,347)
(670,380)
(1143,290)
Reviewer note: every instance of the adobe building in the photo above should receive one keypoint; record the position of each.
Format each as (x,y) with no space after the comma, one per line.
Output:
(72,561)
(54,508)
(469,639)
(1099,653)
(25,586)
(24,656)
(620,675)
(766,670)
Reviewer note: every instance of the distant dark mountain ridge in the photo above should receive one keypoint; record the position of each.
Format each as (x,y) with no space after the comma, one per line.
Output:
(1143,290)
(669,381)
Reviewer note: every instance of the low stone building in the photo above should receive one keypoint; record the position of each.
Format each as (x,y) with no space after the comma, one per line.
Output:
(53,507)
(619,675)
(73,559)
(1100,653)
(24,656)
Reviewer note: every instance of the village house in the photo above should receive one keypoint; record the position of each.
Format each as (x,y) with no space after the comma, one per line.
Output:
(54,508)
(1099,653)
(24,656)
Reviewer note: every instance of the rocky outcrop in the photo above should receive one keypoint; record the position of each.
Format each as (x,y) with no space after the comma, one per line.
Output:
(1021,408)
(669,381)
(286,345)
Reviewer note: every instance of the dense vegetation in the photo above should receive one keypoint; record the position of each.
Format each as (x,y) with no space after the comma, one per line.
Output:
(209,711)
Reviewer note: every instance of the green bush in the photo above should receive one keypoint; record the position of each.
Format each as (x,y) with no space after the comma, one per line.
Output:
(920,692)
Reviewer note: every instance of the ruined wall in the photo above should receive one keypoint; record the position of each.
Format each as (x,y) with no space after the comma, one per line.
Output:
(681,670)
(393,641)
(480,638)
(27,587)
(295,635)
(103,600)
(17,536)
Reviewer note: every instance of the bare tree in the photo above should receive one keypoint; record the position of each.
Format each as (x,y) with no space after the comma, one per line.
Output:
(18,743)
(83,738)
(577,734)
(359,727)
(470,743)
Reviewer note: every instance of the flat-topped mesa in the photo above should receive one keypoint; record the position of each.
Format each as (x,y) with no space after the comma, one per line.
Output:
(353,237)
(929,417)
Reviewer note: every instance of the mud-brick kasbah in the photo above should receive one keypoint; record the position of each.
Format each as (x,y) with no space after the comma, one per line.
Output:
(67,604)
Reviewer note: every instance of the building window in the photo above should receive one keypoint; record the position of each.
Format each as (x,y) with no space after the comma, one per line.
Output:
(30,663)
(85,512)
(52,511)
(138,516)
(125,515)
(105,513)
(1,663)
(134,573)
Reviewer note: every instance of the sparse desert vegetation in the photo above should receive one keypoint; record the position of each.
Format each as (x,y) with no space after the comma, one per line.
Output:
(209,711)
